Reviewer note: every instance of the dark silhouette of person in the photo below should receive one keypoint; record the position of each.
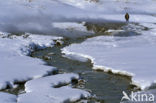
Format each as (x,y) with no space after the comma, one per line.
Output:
(127,17)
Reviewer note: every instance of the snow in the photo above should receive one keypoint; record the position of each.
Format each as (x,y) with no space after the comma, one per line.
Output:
(15,65)
(7,98)
(132,54)
(34,17)
(114,6)
(70,25)
(76,56)
(40,16)
(123,55)
(71,29)
(44,90)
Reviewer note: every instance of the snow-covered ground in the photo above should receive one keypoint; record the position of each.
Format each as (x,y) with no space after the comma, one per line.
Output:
(135,54)
(46,90)
(7,98)
(41,16)
(16,66)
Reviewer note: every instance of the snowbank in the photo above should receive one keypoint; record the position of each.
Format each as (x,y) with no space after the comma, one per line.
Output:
(76,56)
(52,89)
(15,65)
(133,54)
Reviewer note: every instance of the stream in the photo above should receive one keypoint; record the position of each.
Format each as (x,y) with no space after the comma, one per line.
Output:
(104,87)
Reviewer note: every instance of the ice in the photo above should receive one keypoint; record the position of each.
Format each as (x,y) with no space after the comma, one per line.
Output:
(7,98)
(52,89)
(132,54)
(15,65)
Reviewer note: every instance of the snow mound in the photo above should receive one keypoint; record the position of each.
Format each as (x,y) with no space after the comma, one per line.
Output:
(50,90)
(15,65)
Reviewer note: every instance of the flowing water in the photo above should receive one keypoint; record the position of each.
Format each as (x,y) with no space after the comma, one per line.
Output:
(104,87)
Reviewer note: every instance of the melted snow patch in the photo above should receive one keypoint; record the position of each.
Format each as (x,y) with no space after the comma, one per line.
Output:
(43,90)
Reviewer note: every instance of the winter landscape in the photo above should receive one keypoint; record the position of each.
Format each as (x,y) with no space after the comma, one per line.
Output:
(77,51)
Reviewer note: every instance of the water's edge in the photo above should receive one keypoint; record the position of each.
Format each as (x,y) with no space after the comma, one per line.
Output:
(105,87)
